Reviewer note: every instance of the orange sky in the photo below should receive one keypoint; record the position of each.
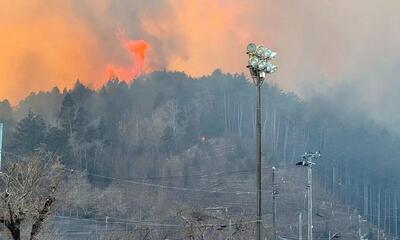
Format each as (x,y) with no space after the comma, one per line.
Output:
(47,43)
(42,46)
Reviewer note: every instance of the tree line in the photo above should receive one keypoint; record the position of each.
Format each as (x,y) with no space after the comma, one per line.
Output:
(134,130)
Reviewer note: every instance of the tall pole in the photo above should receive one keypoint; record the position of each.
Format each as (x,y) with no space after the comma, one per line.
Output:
(106,224)
(259,66)
(273,205)
(395,216)
(258,157)
(359,227)
(307,162)
(1,142)
(309,208)
(230,229)
(300,226)
(379,214)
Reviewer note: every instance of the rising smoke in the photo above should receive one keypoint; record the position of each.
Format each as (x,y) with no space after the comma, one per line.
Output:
(322,44)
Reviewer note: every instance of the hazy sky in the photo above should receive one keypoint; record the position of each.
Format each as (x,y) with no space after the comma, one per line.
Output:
(322,44)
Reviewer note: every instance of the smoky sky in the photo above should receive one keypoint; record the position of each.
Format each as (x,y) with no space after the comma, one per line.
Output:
(323,46)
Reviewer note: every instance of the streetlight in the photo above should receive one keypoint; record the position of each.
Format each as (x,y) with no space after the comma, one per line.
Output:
(259,65)
(307,161)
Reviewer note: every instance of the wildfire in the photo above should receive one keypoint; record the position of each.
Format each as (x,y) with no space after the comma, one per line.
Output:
(54,44)
(137,50)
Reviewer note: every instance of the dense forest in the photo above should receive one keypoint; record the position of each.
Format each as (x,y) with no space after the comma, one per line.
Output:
(158,128)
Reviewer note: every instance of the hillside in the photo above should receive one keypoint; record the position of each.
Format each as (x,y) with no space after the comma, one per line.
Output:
(169,144)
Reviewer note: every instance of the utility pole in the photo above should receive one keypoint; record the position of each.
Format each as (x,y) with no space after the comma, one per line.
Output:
(259,66)
(308,158)
(395,216)
(300,227)
(230,228)
(360,221)
(359,227)
(309,208)
(274,192)
(379,214)
(106,224)
(1,142)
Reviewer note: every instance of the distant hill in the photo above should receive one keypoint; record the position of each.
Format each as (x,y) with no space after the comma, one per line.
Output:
(149,129)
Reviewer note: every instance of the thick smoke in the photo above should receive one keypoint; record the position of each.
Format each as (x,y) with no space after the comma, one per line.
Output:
(322,44)
(54,43)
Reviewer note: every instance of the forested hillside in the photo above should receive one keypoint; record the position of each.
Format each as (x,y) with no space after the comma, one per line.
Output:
(171,130)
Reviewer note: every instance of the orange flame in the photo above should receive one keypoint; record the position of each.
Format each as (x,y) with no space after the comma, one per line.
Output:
(137,50)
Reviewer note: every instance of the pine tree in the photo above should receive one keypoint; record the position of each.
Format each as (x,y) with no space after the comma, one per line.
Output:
(29,134)
(80,123)
(57,142)
(67,114)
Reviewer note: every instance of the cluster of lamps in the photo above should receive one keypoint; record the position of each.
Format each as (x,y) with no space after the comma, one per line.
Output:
(259,59)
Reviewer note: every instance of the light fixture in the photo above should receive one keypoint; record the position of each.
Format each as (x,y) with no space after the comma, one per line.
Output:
(253,62)
(267,54)
(259,59)
(261,50)
(262,65)
(271,68)
(251,48)
(272,55)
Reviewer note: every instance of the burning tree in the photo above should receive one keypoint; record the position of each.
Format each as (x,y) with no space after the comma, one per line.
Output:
(28,191)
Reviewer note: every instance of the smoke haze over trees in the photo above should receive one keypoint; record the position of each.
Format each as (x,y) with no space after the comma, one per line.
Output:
(322,43)
(166,124)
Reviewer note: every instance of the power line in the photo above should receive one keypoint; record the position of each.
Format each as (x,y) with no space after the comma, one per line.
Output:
(157,185)
(142,223)
(165,187)
(222,173)
(119,221)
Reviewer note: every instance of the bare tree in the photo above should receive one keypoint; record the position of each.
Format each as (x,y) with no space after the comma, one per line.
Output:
(29,192)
